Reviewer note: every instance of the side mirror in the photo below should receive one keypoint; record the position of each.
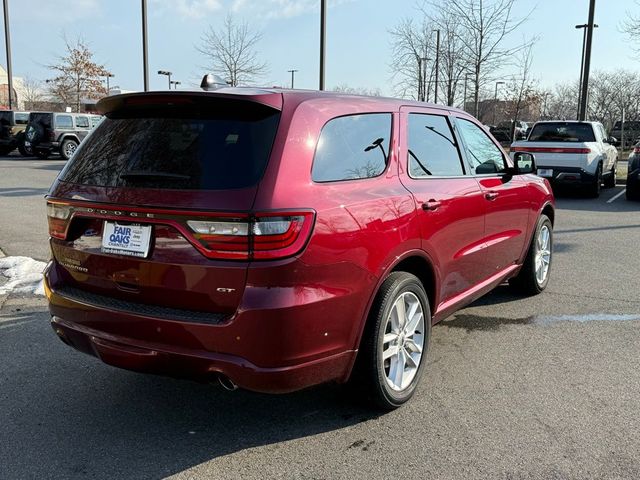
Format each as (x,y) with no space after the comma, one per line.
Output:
(611,140)
(524,163)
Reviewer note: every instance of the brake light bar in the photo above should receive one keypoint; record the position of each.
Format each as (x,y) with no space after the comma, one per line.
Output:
(259,236)
(551,150)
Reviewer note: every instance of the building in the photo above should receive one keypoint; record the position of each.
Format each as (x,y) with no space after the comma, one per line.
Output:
(19,91)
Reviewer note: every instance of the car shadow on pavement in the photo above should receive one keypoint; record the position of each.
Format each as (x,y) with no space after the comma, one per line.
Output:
(66,415)
(56,167)
(22,192)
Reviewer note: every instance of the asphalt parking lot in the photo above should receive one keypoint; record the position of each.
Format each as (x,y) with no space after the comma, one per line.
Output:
(537,388)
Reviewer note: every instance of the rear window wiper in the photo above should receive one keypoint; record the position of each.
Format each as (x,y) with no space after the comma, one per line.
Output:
(145,174)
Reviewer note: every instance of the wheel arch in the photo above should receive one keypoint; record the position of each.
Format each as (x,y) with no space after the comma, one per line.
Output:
(69,136)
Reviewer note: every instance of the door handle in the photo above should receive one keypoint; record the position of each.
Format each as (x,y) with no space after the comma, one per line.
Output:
(431,205)
(491,196)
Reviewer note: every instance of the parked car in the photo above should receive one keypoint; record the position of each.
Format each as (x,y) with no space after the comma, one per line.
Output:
(277,239)
(631,132)
(573,153)
(504,129)
(633,174)
(50,132)
(12,125)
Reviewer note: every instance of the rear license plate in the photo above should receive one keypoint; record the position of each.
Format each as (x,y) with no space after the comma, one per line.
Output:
(545,172)
(27,144)
(130,239)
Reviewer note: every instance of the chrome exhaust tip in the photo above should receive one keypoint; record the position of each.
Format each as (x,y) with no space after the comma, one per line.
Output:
(227,383)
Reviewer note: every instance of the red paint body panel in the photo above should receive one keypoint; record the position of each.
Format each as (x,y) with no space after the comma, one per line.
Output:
(281,325)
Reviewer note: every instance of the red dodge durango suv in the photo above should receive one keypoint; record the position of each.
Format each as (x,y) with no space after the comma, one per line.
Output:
(276,239)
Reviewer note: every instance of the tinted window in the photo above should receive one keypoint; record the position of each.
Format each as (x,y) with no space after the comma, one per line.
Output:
(95,121)
(64,121)
(21,118)
(432,147)
(82,122)
(43,119)
(178,148)
(352,147)
(562,132)
(5,118)
(483,155)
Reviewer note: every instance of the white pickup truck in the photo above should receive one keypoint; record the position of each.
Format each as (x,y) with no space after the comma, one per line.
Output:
(572,153)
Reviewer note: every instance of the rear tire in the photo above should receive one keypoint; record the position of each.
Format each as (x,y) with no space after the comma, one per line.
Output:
(632,193)
(610,181)
(6,150)
(534,274)
(395,342)
(593,190)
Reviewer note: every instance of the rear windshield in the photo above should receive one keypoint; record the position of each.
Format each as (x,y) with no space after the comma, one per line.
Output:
(43,119)
(562,132)
(178,148)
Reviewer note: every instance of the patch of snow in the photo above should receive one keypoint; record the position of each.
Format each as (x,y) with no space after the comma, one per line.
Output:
(22,275)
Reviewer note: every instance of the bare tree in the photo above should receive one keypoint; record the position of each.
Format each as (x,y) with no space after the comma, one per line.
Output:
(486,24)
(231,52)
(32,91)
(370,92)
(629,26)
(411,46)
(521,91)
(78,75)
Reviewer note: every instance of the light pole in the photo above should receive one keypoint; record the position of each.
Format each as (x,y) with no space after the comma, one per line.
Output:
(464,101)
(175,84)
(292,72)
(423,73)
(7,42)
(168,74)
(495,101)
(584,42)
(323,32)
(435,94)
(108,75)
(145,49)
(582,111)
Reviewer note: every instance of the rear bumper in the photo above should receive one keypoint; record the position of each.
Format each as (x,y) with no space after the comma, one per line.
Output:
(270,350)
(569,175)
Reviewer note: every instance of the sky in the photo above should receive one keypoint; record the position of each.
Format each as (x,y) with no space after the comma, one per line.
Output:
(358,43)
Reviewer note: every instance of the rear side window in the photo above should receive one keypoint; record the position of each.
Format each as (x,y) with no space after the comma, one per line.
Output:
(432,147)
(82,122)
(352,147)
(22,118)
(225,145)
(64,121)
(562,132)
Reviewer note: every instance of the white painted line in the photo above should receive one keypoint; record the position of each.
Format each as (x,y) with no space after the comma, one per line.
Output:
(618,195)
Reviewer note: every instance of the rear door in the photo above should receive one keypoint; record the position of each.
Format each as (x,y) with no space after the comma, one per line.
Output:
(505,196)
(449,202)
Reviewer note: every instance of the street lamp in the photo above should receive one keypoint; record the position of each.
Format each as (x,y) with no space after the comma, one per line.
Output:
(495,101)
(7,41)
(423,75)
(175,84)
(145,47)
(464,101)
(108,75)
(584,27)
(168,74)
(323,35)
(292,72)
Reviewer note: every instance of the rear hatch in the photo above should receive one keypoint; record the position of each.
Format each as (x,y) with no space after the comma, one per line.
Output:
(153,208)
(6,122)
(559,144)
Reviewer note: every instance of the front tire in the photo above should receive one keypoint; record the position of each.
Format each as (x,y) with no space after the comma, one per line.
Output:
(68,148)
(395,342)
(534,274)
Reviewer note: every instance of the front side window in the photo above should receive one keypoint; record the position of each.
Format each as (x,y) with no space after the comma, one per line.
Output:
(22,118)
(64,121)
(432,148)
(483,155)
(82,122)
(352,147)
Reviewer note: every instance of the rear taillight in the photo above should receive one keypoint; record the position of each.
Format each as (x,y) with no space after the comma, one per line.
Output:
(551,150)
(52,135)
(58,215)
(260,237)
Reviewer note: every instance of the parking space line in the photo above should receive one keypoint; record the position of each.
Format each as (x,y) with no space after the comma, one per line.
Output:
(616,196)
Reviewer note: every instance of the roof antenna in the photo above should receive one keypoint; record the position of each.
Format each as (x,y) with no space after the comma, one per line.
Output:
(212,82)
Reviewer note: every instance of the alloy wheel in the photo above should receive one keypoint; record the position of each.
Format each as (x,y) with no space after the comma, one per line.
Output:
(543,254)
